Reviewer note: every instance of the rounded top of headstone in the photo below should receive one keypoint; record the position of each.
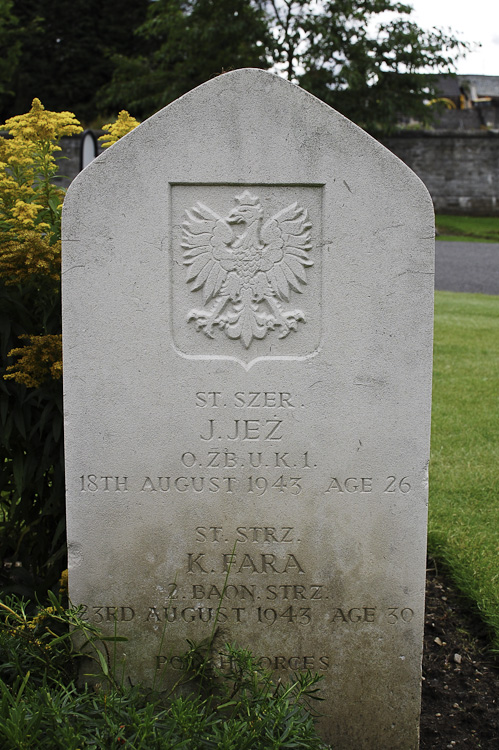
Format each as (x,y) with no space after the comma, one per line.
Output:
(237,117)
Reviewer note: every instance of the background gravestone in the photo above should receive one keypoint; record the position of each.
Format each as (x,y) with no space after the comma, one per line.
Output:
(248,283)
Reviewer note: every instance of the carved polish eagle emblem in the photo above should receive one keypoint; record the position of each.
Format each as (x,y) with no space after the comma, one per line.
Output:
(246,268)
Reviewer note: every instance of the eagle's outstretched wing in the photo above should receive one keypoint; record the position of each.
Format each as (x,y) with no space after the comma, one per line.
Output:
(287,244)
(205,241)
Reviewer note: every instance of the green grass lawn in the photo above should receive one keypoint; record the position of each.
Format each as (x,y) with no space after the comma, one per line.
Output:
(467,228)
(464,474)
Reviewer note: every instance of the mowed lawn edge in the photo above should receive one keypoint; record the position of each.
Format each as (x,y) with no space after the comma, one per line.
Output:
(464,467)
(467,228)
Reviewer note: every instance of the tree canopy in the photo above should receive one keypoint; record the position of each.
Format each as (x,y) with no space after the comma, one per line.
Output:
(366,58)
(63,51)
(184,44)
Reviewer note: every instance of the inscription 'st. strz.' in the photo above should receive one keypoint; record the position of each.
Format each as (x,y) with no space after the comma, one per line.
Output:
(247,275)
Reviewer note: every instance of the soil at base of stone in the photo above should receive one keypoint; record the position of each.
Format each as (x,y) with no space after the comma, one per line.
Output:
(460,705)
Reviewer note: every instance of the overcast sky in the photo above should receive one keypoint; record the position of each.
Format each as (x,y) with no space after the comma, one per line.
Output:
(476,21)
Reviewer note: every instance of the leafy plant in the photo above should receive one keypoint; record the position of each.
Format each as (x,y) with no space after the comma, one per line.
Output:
(32,521)
(184,43)
(61,51)
(31,461)
(115,130)
(366,58)
(239,707)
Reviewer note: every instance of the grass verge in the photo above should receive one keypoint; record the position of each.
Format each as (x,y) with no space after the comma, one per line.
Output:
(464,497)
(467,228)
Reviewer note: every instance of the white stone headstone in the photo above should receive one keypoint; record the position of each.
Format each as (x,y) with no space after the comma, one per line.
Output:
(89,148)
(247,291)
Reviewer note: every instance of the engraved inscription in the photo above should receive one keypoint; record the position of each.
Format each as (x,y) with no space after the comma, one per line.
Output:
(262,583)
(224,661)
(249,272)
(246,429)
(250,399)
(283,607)
(262,563)
(278,472)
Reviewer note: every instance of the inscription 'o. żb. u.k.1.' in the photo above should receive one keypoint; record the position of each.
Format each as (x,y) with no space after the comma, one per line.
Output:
(247,275)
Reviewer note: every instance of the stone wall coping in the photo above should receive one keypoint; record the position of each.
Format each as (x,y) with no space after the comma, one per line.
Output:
(493,133)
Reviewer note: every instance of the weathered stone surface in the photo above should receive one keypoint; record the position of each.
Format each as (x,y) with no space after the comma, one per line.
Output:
(270,414)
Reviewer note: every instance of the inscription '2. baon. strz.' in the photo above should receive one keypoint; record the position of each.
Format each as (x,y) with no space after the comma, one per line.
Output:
(247,275)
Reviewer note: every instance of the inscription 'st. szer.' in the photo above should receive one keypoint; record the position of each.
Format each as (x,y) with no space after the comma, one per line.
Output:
(247,275)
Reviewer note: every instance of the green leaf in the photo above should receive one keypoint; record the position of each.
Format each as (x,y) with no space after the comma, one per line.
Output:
(54,202)
(115,638)
(19,422)
(103,663)
(57,428)
(18,471)
(55,601)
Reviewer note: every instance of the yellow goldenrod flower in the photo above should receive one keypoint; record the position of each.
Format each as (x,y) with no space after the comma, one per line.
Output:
(63,580)
(116,130)
(26,213)
(39,125)
(27,253)
(39,360)
(30,217)
(30,205)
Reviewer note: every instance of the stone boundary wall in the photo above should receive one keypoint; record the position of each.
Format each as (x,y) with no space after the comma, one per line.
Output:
(459,168)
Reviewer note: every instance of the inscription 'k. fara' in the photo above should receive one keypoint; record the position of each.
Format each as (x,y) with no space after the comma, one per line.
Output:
(246,275)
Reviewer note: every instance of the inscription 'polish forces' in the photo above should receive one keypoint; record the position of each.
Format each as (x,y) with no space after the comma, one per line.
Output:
(247,275)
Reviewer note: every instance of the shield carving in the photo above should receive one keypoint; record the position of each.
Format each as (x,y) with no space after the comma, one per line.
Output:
(246,271)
